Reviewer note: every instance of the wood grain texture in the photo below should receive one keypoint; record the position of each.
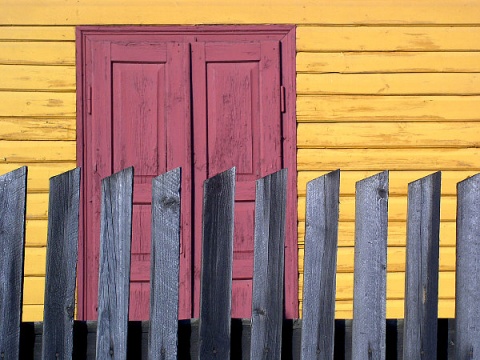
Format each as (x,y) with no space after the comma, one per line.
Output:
(328,108)
(247,12)
(38,78)
(394,159)
(13,191)
(37,53)
(37,104)
(59,33)
(398,134)
(388,38)
(165,264)
(351,62)
(421,287)
(61,269)
(398,182)
(468,257)
(389,84)
(37,129)
(217,258)
(268,268)
(37,151)
(114,272)
(368,338)
(321,241)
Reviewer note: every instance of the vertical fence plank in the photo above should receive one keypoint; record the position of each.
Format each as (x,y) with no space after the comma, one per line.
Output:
(165,264)
(13,192)
(217,256)
(114,273)
(467,311)
(267,298)
(62,253)
(369,298)
(421,282)
(321,239)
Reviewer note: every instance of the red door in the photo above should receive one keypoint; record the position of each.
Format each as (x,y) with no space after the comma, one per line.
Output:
(205,102)
(236,99)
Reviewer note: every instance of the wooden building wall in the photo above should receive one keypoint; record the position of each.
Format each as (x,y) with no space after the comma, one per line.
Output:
(380,85)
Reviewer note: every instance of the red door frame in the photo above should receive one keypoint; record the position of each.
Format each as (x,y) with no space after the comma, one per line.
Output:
(283,33)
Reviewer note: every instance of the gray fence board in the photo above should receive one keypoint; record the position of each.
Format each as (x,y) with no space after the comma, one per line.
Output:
(164,267)
(62,253)
(320,266)
(467,305)
(114,272)
(13,192)
(421,285)
(369,298)
(268,268)
(217,257)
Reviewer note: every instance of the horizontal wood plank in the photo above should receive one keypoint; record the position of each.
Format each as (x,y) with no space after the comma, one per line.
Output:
(389,84)
(37,129)
(34,291)
(387,62)
(398,183)
(35,261)
(388,38)
(246,12)
(37,151)
(61,33)
(395,285)
(37,104)
(36,233)
(395,309)
(39,173)
(32,312)
(398,134)
(396,233)
(397,208)
(40,78)
(37,53)
(395,259)
(325,108)
(392,159)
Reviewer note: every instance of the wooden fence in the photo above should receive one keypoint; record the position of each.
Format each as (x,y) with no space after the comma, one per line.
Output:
(266,335)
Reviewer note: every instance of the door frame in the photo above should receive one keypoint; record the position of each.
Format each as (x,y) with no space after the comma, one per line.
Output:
(285,34)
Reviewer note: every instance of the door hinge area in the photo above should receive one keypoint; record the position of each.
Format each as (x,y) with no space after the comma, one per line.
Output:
(282,98)
(89,100)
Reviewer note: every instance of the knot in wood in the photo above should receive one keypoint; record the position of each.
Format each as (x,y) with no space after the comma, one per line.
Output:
(169,201)
(382,193)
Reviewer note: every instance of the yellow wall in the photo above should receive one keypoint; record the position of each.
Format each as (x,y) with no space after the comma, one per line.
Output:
(381,84)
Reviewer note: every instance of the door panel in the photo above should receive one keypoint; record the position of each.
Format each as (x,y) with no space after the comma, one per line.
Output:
(238,122)
(141,98)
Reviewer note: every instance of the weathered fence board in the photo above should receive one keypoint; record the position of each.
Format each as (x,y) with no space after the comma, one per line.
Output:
(369,296)
(421,285)
(268,267)
(13,192)
(217,257)
(321,239)
(164,267)
(467,306)
(62,253)
(114,272)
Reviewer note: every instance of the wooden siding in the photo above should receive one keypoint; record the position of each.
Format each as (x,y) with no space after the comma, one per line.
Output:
(381,85)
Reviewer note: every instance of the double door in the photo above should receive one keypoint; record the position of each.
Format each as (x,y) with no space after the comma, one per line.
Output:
(157,104)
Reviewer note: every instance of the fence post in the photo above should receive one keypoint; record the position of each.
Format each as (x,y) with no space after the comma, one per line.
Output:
(421,281)
(369,299)
(60,279)
(114,272)
(217,256)
(321,239)
(13,192)
(467,311)
(164,267)
(268,268)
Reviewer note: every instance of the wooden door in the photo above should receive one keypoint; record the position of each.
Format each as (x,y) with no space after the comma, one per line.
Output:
(206,99)
(139,116)
(237,122)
